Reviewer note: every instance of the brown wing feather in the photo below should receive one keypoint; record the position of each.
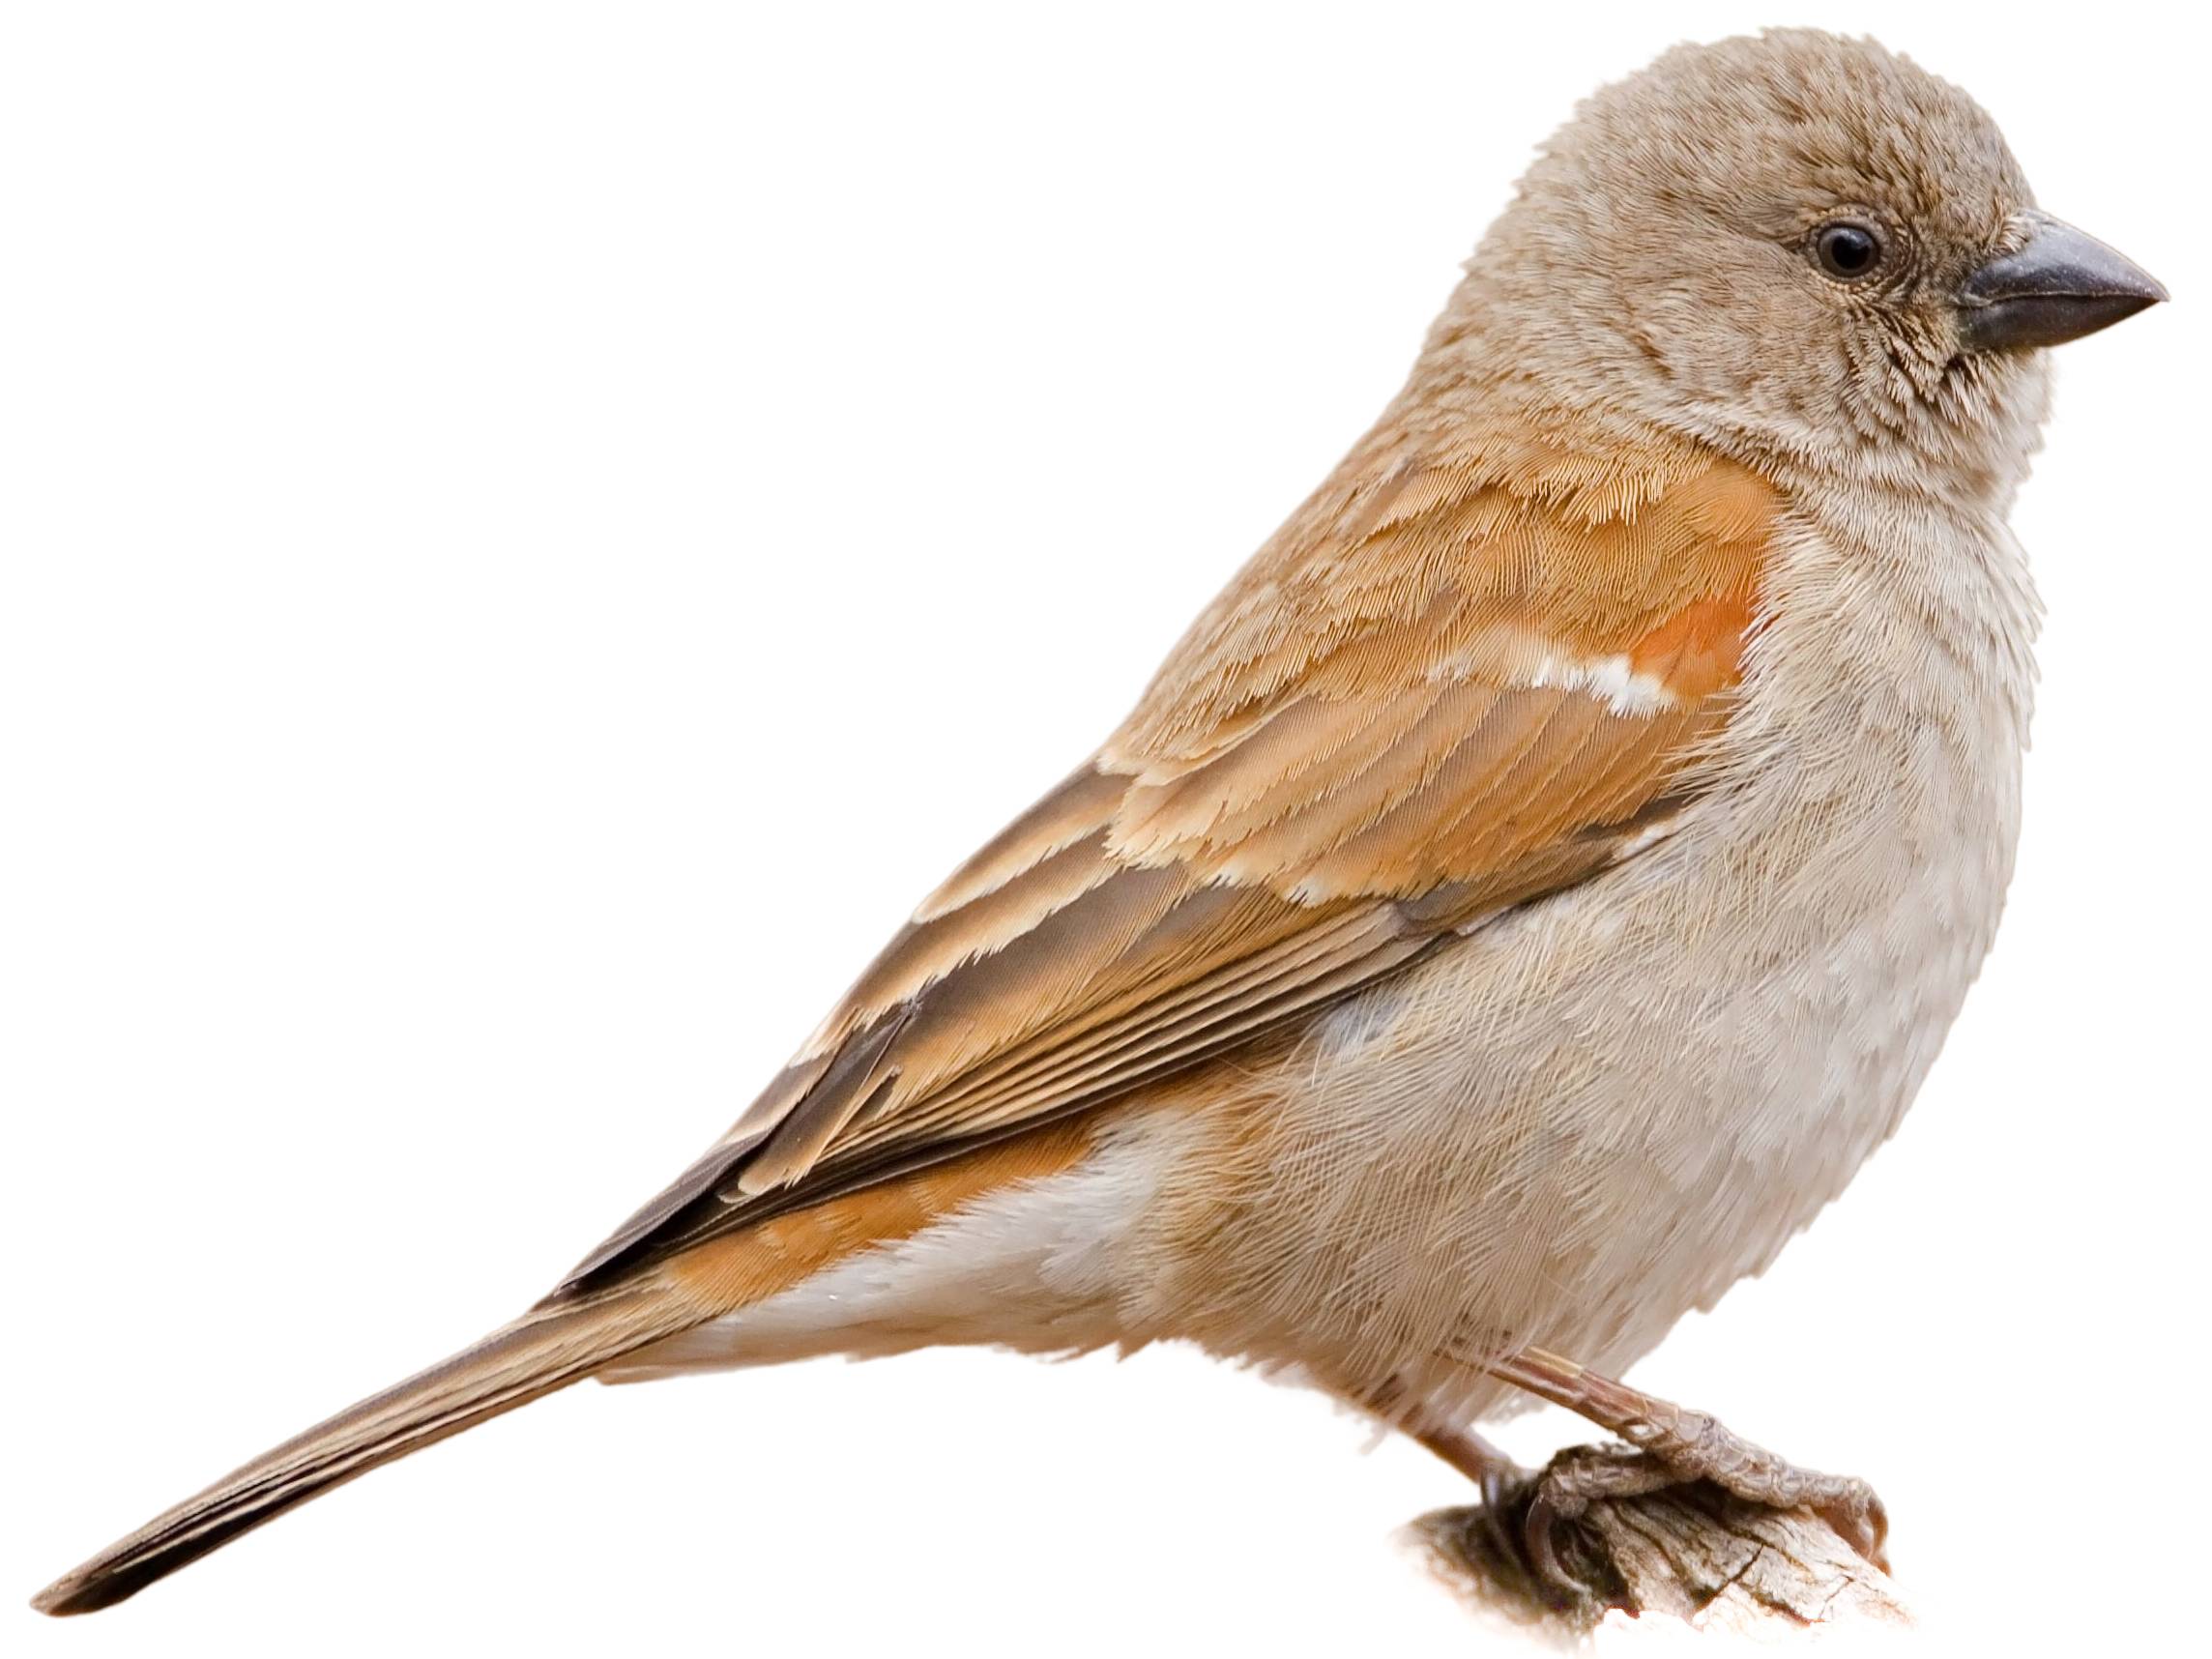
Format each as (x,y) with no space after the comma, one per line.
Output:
(1445,689)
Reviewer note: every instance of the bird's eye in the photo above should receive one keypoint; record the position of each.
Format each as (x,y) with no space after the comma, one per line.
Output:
(1847,251)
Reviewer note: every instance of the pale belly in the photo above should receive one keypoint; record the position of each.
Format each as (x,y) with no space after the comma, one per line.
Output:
(1573,1128)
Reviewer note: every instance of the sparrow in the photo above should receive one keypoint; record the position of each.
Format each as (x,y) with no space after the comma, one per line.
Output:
(1521,901)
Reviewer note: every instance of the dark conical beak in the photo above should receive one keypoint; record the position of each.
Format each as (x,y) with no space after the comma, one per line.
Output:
(2063,284)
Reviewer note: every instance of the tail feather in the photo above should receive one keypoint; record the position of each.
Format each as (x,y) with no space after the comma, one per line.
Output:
(542,1352)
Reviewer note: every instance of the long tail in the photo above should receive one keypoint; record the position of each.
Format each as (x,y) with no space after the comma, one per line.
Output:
(538,1353)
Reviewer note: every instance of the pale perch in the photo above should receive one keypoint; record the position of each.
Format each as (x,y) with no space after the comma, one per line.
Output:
(1693,1552)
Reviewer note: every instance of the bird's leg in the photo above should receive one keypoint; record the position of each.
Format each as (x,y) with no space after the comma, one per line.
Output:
(1669,1445)
(1467,1451)
(1502,1482)
(1496,1476)
(1473,1456)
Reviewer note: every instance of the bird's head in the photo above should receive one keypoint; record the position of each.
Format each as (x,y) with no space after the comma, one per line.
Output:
(1798,246)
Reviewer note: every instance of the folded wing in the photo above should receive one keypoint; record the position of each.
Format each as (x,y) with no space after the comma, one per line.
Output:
(1450,686)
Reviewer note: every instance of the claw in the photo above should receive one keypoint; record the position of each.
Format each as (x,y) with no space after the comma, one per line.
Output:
(1862,1521)
(1497,1484)
(1539,1545)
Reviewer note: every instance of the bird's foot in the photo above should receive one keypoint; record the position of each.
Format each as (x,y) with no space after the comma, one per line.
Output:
(1614,1528)
(1666,1445)
(1661,1455)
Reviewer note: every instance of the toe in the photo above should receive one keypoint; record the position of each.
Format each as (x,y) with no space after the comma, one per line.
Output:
(1861,1522)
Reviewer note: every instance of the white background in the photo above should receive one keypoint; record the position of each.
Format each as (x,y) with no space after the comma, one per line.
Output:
(533,534)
